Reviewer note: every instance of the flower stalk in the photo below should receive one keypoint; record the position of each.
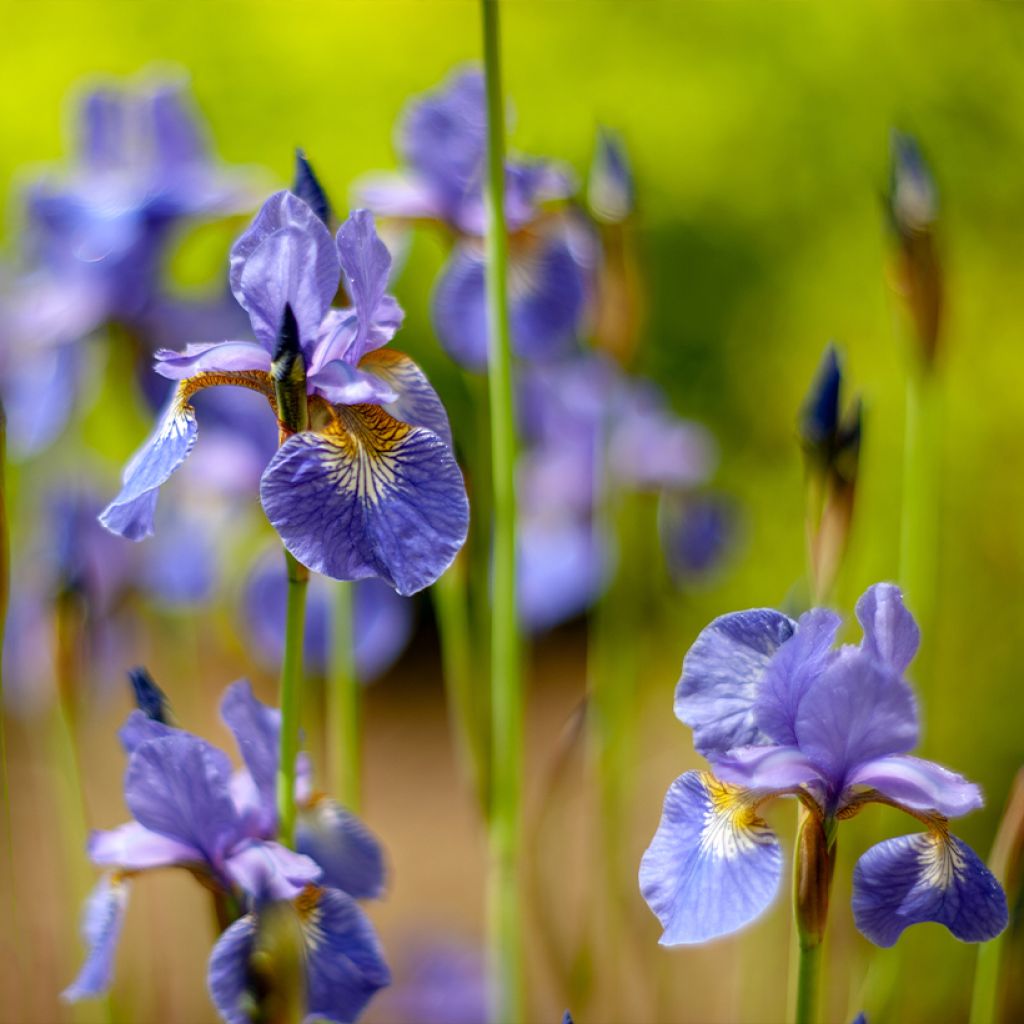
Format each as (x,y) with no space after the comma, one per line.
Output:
(813,867)
(289,375)
(506,687)
(344,747)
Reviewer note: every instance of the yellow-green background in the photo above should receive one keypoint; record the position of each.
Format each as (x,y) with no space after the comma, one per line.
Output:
(759,137)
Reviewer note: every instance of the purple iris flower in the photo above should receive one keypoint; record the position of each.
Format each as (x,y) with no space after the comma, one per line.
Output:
(381,628)
(778,711)
(443,981)
(97,236)
(442,139)
(697,531)
(372,487)
(191,810)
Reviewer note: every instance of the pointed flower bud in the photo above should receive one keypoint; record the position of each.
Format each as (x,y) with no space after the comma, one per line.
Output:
(610,192)
(288,370)
(812,880)
(308,188)
(149,698)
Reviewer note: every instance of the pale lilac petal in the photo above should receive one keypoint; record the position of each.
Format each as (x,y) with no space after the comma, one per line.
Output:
(919,784)
(257,731)
(890,632)
(270,871)
(343,384)
(228,975)
(136,848)
(101,928)
(200,357)
(765,768)
(349,854)
(398,195)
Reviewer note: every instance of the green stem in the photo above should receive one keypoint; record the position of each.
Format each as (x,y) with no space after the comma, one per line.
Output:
(449,595)
(291,696)
(344,747)
(986,996)
(506,685)
(808,985)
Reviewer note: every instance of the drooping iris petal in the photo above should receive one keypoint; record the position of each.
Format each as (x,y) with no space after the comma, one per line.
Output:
(178,786)
(766,767)
(721,675)
(459,309)
(855,711)
(890,632)
(712,866)
(417,402)
(370,496)
(101,928)
(347,852)
(793,670)
(343,384)
(228,975)
(270,871)
(211,356)
(131,513)
(344,962)
(365,268)
(930,876)
(290,268)
(135,848)
(919,784)
(257,731)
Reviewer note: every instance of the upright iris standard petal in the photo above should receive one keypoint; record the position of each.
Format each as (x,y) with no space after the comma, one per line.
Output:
(347,852)
(890,632)
(228,975)
(131,513)
(139,727)
(344,962)
(920,785)
(713,865)
(721,675)
(101,928)
(856,711)
(178,786)
(370,496)
(931,876)
(794,669)
(417,403)
(257,731)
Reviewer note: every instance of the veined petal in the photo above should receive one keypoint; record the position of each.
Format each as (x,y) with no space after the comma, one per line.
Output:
(416,401)
(227,972)
(919,784)
(343,384)
(795,667)
(139,727)
(931,876)
(135,848)
(721,675)
(130,514)
(713,865)
(178,786)
(351,858)
(101,928)
(890,632)
(211,355)
(257,731)
(765,768)
(370,496)
(344,962)
(857,710)
(270,871)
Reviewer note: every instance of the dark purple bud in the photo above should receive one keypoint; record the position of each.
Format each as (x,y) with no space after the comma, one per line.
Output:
(149,698)
(308,188)
(819,417)
(288,370)
(913,200)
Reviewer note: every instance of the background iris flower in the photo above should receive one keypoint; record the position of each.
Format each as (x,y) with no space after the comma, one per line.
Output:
(372,488)
(778,711)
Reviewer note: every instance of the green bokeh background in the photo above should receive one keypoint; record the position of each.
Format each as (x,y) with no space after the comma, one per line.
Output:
(759,138)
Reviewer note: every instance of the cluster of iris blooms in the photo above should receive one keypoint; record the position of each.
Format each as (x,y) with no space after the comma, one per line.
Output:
(354,466)
(356,471)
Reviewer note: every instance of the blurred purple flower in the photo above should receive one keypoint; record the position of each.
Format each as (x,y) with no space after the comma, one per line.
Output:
(779,712)
(382,622)
(697,530)
(372,488)
(610,191)
(442,140)
(439,982)
(191,810)
(96,237)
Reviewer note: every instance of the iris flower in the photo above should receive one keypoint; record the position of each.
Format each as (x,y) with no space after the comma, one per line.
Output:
(778,711)
(442,139)
(371,488)
(191,810)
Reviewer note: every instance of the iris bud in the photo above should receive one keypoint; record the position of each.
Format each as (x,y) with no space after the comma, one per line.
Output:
(308,188)
(812,881)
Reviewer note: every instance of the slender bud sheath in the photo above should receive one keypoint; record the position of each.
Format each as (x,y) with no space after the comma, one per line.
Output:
(812,881)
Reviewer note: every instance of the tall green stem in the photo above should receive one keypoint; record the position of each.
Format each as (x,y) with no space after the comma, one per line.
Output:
(506,685)
(808,984)
(291,695)
(344,747)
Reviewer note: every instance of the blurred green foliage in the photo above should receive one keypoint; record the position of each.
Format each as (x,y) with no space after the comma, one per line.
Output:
(759,137)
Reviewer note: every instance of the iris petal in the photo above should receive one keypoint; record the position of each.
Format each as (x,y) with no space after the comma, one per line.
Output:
(417,403)
(270,871)
(765,768)
(227,972)
(135,848)
(712,866)
(919,784)
(370,496)
(344,962)
(351,858)
(931,876)
(101,928)
(792,671)
(721,675)
(257,731)
(211,355)
(890,632)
